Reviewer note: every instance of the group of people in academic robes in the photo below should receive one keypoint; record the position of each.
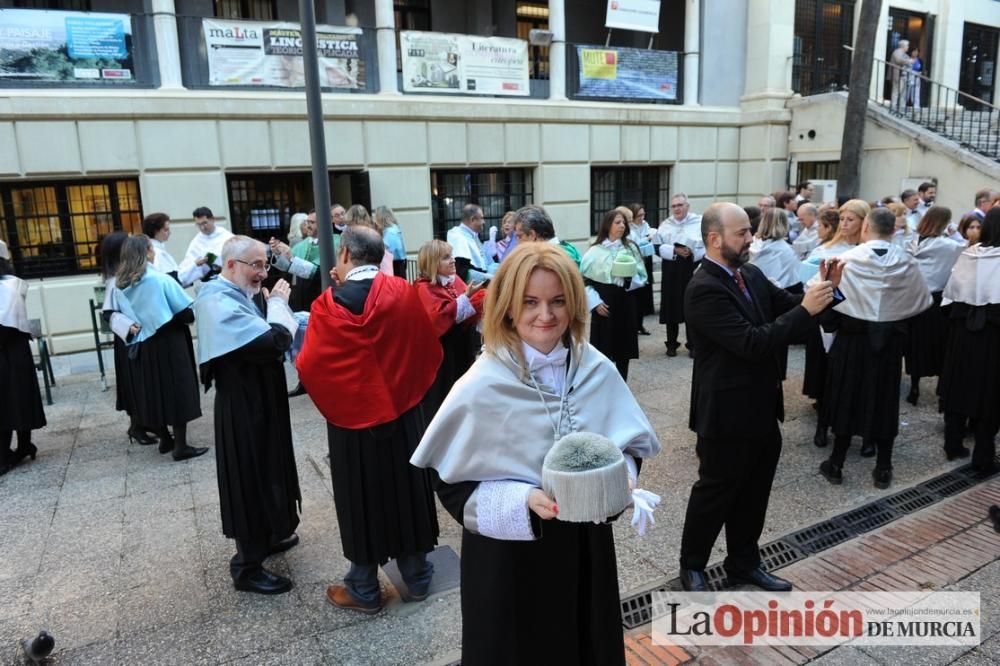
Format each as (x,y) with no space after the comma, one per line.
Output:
(21,408)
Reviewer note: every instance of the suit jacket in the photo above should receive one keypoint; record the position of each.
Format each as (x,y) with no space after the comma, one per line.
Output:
(736,387)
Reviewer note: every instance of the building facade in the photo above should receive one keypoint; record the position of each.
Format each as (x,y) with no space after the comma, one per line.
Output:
(79,159)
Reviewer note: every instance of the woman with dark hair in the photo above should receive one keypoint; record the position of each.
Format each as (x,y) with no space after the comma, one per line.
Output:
(613,267)
(157,227)
(969,386)
(21,408)
(935,254)
(640,233)
(124,329)
(969,228)
(163,379)
(754,214)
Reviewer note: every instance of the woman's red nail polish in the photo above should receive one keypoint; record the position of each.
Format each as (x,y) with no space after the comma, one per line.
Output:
(555,507)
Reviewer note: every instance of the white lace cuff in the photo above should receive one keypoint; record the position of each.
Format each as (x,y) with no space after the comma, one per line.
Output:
(279,313)
(464,310)
(667,251)
(120,325)
(501,511)
(302,268)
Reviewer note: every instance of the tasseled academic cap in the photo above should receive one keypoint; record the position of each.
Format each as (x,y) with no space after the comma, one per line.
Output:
(586,474)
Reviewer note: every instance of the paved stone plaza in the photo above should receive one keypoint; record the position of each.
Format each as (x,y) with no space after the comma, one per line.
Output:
(118,551)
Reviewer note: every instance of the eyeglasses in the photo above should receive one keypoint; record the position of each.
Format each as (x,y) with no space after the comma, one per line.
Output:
(256,265)
(677,205)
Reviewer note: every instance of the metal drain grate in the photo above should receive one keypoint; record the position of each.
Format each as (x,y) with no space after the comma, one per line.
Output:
(637,610)
(949,484)
(976,476)
(716,576)
(779,554)
(820,536)
(912,499)
(867,517)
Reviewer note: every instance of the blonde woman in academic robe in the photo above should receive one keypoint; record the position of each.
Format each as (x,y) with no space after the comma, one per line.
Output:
(528,577)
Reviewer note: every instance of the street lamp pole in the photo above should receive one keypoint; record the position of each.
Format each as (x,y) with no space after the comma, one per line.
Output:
(317,139)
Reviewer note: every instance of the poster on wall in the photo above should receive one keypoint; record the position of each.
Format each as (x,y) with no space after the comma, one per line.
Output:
(447,63)
(257,53)
(65,46)
(638,15)
(621,73)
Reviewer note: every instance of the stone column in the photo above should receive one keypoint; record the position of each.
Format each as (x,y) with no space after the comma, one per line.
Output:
(770,38)
(385,26)
(557,51)
(168,52)
(692,50)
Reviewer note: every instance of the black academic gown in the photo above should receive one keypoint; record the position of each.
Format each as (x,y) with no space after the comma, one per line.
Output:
(969,384)
(925,346)
(864,366)
(255,462)
(615,336)
(674,278)
(163,377)
(385,506)
(20,399)
(553,600)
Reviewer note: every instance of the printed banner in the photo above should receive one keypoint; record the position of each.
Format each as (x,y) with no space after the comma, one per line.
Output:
(621,73)
(448,63)
(65,46)
(639,15)
(256,53)
(817,618)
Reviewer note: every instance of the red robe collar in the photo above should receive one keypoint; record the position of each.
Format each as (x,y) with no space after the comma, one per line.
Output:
(440,303)
(368,369)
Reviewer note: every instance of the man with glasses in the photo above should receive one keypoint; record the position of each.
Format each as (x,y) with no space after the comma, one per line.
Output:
(241,350)
(680,249)
(202,261)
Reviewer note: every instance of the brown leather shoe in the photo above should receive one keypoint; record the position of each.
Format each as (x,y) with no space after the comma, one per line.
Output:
(341,598)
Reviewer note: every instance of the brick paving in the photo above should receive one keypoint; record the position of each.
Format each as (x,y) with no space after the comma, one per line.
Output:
(940,547)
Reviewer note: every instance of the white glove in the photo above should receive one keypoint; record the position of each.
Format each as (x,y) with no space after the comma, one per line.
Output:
(493,233)
(644,503)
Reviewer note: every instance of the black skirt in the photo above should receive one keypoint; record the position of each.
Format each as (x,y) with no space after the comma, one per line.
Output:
(814,375)
(123,397)
(385,505)
(163,378)
(925,347)
(549,601)
(460,345)
(861,397)
(20,398)
(615,336)
(969,384)
(674,278)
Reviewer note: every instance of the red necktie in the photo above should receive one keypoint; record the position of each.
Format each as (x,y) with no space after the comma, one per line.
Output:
(741,283)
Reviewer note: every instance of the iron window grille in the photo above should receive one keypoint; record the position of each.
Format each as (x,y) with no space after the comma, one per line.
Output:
(820,63)
(257,10)
(410,15)
(620,186)
(496,191)
(55,228)
(534,16)
(817,171)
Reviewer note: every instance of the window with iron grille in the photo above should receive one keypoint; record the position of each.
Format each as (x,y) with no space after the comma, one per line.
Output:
(410,15)
(55,228)
(820,63)
(257,10)
(620,186)
(496,191)
(64,5)
(817,171)
(261,205)
(534,16)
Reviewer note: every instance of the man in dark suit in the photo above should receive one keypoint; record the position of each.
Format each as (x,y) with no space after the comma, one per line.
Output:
(741,324)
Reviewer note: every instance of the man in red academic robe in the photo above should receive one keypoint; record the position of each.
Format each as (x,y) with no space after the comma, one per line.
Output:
(368,358)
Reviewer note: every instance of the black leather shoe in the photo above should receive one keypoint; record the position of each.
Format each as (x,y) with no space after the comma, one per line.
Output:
(297,391)
(882,477)
(643,331)
(189,452)
(24,451)
(913,396)
(995,517)
(671,349)
(285,544)
(693,580)
(140,437)
(955,454)
(262,581)
(868,449)
(759,578)
(831,472)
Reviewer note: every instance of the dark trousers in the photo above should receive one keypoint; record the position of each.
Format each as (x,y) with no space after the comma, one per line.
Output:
(7,436)
(954,433)
(362,580)
(672,331)
(622,368)
(883,448)
(249,557)
(732,491)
